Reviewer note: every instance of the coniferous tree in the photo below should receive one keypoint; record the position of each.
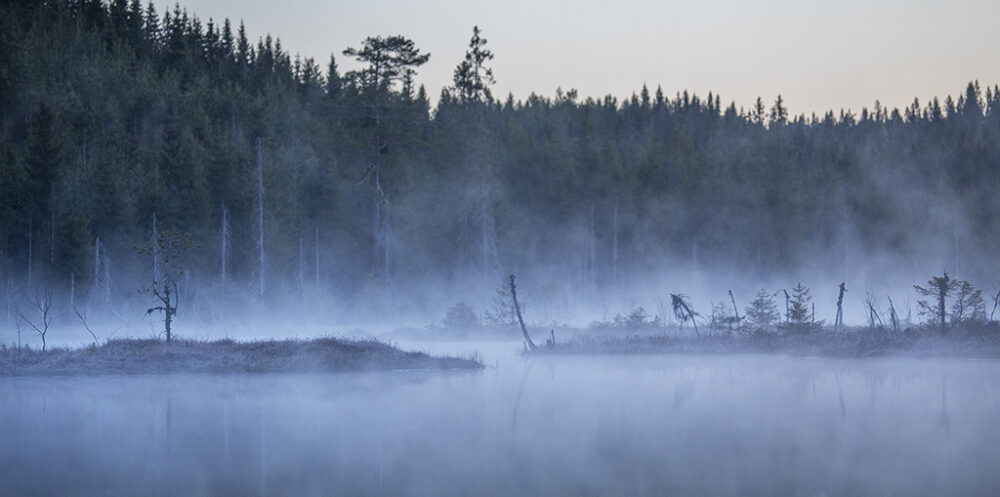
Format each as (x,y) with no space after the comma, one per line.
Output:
(762,313)
(939,288)
(389,60)
(472,78)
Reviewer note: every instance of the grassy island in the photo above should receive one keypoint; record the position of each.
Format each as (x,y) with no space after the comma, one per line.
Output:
(151,356)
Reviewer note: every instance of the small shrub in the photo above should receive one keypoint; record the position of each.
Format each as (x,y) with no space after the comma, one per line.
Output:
(461,316)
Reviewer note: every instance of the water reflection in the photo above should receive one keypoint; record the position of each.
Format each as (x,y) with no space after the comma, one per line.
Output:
(637,425)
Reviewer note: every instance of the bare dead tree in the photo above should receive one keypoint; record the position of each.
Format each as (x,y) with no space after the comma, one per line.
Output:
(517,309)
(167,294)
(41,302)
(893,317)
(682,310)
(873,316)
(172,245)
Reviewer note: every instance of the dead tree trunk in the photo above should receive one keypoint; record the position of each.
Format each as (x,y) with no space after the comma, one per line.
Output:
(155,244)
(168,296)
(736,310)
(614,249)
(261,263)
(839,320)
(517,309)
(316,262)
(31,250)
(224,242)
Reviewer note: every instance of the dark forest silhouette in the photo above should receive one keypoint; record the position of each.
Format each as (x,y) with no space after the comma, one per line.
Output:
(114,116)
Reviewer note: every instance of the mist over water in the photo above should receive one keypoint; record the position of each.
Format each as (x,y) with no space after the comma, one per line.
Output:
(632,425)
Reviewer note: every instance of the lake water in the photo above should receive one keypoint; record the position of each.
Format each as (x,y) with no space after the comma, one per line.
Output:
(625,425)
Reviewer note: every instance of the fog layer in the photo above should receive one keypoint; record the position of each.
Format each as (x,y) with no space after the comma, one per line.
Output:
(639,425)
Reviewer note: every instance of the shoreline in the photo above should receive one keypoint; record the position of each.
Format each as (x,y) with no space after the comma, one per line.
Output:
(856,344)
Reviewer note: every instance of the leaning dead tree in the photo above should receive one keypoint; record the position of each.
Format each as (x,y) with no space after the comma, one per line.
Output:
(682,310)
(996,302)
(83,320)
(736,311)
(517,309)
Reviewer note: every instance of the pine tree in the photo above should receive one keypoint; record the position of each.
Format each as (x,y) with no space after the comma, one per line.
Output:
(333,82)
(799,316)
(472,78)
(758,112)
(779,113)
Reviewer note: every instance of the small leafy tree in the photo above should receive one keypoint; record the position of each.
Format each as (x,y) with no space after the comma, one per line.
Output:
(938,288)
(762,313)
(723,317)
(171,246)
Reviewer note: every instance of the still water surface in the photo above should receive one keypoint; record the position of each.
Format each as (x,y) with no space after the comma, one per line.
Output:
(626,425)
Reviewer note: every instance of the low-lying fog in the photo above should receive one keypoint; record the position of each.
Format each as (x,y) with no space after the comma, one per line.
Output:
(625,425)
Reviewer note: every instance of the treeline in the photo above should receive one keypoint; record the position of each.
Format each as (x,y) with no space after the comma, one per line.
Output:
(117,120)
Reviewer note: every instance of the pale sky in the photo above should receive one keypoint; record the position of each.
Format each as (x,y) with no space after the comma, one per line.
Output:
(817,55)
